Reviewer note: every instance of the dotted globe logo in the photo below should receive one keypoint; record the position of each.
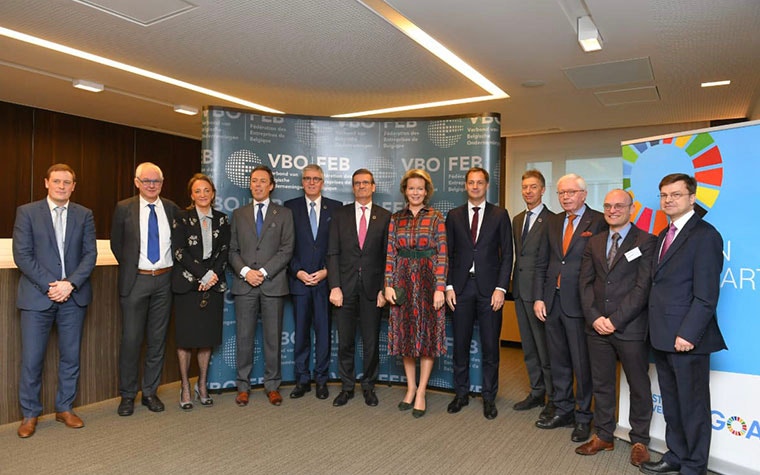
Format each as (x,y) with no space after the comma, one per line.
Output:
(444,206)
(239,165)
(228,352)
(385,175)
(445,133)
(737,426)
(313,132)
(645,163)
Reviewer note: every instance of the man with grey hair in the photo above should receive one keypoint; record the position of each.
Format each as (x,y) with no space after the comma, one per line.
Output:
(141,243)
(558,304)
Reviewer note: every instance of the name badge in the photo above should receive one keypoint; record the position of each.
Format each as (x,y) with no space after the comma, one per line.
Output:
(633,254)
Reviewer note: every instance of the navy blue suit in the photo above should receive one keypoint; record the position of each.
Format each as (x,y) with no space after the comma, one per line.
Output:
(310,303)
(682,302)
(35,252)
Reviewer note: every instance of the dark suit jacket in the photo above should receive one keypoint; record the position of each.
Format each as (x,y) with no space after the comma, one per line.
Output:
(345,259)
(685,287)
(272,250)
(125,238)
(492,253)
(309,255)
(35,252)
(551,261)
(527,252)
(620,292)
(187,250)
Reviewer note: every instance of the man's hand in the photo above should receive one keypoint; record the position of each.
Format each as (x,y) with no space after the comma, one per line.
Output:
(539,310)
(451,298)
(683,345)
(603,326)
(60,290)
(254,278)
(380,299)
(312,279)
(497,300)
(336,297)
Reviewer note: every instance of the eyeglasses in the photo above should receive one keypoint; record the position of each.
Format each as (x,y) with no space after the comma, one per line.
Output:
(204,299)
(616,206)
(362,183)
(569,193)
(674,196)
(149,182)
(312,179)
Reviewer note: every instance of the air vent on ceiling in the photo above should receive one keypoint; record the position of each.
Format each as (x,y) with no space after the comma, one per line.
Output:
(613,73)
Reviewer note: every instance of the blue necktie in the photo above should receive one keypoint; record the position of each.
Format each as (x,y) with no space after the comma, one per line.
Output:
(313,219)
(526,228)
(259,219)
(154,248)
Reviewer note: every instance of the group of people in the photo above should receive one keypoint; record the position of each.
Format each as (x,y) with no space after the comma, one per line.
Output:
(589,288)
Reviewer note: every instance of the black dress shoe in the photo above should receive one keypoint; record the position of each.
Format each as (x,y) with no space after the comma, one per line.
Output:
(581,432)
(342,398)
(153,403)
(370,398)
(299,390)
(126,406)
(567,420)
(457,404)
(489,410)
(547,412)
(659,468)
(322,392)
(529,403)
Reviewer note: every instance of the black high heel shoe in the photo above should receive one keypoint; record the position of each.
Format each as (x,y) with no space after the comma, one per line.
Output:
(185,406)
(205,401)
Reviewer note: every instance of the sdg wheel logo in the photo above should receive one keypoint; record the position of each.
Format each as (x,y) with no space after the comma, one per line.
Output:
(645,163)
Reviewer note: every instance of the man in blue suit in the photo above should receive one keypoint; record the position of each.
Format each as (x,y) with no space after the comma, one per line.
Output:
(54,248)
(308,285)
(683,326)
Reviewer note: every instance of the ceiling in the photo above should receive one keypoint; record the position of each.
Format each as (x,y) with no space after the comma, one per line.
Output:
(328,57)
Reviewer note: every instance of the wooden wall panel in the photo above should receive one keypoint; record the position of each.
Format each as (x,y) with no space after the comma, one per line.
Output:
(16,126)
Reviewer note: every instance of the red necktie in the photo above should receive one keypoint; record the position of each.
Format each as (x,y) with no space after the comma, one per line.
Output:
(362,228)
(474,225)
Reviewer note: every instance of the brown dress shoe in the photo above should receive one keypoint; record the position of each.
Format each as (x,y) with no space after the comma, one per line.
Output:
(242,399)
(70,419)
(594,446)
(27,427)
(274,397)
(639,454)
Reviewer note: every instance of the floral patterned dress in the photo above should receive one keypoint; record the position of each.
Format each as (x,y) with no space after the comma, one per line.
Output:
(417,262)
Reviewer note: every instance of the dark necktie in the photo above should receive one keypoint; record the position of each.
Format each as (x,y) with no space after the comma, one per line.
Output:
(668,240)
(474,225)
(313,219)
(58,225)
(526,226)
(259,219)
(154,247)
(613,249)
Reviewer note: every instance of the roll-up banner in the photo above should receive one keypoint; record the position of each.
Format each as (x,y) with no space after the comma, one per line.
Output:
(726,164)
(235,141)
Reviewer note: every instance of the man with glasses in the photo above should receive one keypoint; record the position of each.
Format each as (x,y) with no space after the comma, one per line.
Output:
(355,271)
(558,304)
(683,326)
(54,288)
(312,214)
(141,243)
(614,284)
(261,246)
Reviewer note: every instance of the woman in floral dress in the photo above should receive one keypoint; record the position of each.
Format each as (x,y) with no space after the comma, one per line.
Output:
(415,282)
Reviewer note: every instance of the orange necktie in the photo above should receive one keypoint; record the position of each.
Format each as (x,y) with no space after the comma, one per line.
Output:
(566,239)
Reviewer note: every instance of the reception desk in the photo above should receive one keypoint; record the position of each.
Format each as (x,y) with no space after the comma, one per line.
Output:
(99,377)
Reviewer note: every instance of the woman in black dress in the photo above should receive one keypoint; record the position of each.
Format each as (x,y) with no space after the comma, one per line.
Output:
(200,241)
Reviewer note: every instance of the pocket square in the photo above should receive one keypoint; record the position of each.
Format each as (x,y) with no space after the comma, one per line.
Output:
(586,234)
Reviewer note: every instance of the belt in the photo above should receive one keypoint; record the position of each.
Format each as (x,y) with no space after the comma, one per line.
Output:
(155,272)
(416,254)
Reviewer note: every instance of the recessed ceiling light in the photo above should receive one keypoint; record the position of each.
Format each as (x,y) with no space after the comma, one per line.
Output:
(716,83)
(187,110)
(88,85)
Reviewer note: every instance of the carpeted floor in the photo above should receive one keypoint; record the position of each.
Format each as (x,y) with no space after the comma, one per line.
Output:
(309,436)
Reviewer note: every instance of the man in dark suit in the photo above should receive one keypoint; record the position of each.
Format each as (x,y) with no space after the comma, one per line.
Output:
(558,304)
(260,248)
(683,326)
(479,236)
(529,231)
(614,284)
(54,248)
(307,273)
(141,243)
(355,271)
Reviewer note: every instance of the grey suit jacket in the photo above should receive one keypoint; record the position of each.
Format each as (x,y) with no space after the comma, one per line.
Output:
(526,253)
(125,238)
(272,250)
(35,252)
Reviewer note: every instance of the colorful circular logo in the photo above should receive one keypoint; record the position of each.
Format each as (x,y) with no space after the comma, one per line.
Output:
(645,163)
(736,426)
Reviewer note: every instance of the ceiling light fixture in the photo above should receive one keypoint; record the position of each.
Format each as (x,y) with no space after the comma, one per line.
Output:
(187,110)
(716,83)
(132,69)
(88,85)
(588,36)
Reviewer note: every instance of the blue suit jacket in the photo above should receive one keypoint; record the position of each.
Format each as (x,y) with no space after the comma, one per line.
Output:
(35,252)
(309,254)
